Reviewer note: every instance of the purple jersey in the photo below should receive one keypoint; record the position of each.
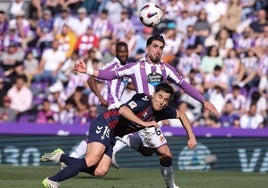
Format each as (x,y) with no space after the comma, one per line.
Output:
(114,89)
(141,105)
(145,76)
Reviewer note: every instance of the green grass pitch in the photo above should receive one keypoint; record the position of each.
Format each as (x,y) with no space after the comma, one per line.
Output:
(31,177)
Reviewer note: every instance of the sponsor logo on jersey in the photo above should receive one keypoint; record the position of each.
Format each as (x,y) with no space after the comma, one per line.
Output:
(155,78)
(132,104)
(98,129)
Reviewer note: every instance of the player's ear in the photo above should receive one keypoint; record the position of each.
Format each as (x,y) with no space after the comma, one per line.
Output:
(146,50)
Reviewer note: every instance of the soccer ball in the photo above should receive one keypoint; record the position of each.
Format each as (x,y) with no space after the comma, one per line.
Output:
(150,15)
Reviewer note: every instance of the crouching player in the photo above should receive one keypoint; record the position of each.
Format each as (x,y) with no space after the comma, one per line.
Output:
(138,113)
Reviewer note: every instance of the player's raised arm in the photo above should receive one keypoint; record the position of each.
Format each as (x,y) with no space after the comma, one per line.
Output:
(190,90)
(80,66)
(188,128)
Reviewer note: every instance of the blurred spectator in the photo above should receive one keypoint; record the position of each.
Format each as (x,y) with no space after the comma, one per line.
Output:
(215,9)
(216,85)
(45,114)
(81,104)
(261,42)
(86,41)
(21,96)
(16,6)
(195,7)
(109,53)
(260,101)
(73,5)
(16,71)
(249,76)
(56,97)
(103,29)
(67,40)
(172,43)
(54,6)
(82,22)
(3,28)
(67,115)
(3,90)
(36,9)
(7,114)
(191,39)
(31,65)
(263,71)
(258,25)
(244,42)
(123,27)
(92,112)
(237,99)
(252,119)
(210,60)
(184,21)
(65,18)
(248,8)
(131,39)
(232,18)
(224,42)
(50,64)
(114,9)
(201,26)
(22,28)
(141,39)
(67,68)
(173,9)
(44,30)
(183,107)
(10,56)
(11,38)
(188,61)
(232,66)
(229,117)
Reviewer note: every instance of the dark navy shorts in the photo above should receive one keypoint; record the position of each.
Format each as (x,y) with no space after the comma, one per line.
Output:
(99,131)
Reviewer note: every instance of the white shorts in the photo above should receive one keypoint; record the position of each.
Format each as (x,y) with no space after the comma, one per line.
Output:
(152,138)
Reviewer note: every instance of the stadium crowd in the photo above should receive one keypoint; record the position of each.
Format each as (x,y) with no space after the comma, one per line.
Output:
(219,46)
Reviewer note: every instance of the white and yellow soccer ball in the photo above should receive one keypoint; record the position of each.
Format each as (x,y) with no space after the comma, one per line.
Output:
(151,14)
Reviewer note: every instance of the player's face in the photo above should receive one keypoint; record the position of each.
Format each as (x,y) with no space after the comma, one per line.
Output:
(122,54)
(154,51)
(160,100)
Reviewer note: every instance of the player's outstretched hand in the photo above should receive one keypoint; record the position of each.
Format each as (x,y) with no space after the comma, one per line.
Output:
(80,66)
(191,144)
(209,106)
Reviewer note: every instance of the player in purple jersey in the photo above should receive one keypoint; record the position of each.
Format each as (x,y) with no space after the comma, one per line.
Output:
(146,74)
(111,95)
(138,113)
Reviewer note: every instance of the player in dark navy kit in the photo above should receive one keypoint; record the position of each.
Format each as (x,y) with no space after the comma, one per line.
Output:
(138,113)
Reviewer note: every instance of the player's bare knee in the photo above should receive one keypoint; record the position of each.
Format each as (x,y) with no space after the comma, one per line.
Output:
(99,172)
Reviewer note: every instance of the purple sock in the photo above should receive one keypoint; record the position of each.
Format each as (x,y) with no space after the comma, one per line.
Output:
(70,171)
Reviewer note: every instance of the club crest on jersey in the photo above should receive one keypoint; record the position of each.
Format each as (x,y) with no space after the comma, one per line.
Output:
(155,78)
(132,104)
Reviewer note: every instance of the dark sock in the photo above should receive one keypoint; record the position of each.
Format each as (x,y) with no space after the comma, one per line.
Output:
(67,159)
(71,170)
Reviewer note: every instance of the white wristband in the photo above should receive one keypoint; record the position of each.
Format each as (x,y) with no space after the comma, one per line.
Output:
(89,70)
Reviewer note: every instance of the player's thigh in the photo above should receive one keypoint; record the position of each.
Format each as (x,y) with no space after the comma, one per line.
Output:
(103,166)
(95,151)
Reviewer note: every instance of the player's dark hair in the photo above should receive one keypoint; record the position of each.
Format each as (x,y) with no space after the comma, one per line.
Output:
(120,43)
(166,88)
(155,37)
